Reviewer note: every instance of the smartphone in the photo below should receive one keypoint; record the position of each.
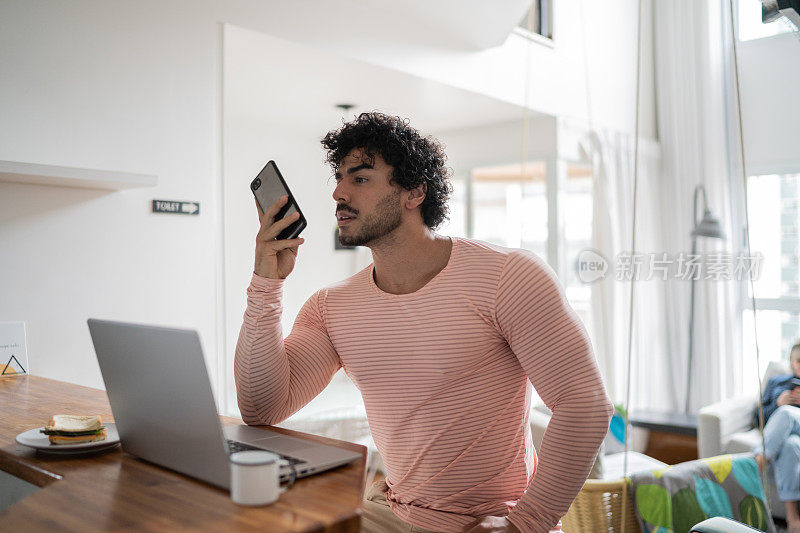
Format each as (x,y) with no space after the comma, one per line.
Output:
(268,187)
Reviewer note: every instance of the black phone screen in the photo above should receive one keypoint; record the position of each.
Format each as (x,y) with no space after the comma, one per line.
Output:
(268,187)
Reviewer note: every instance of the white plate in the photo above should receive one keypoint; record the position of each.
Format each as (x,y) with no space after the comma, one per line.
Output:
(35,439)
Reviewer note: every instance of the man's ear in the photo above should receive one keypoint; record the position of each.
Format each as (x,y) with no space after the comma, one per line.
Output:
(416,196)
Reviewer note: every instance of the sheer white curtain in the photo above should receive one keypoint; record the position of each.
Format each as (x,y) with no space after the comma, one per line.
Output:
(693,65)
(652,376)
(693,84)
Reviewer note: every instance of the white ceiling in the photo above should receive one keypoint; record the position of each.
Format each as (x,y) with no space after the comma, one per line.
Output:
(451,24)
(272,81)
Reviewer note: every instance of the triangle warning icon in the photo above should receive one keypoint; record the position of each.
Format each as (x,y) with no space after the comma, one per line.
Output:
(13,366)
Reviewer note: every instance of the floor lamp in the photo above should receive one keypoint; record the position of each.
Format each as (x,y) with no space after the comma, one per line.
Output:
(708,227)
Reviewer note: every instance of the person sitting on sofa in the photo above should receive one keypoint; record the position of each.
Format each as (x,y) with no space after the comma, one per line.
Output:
(781,404)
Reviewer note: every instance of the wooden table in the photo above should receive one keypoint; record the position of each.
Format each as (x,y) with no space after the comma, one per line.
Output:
(673,436)
(114,491)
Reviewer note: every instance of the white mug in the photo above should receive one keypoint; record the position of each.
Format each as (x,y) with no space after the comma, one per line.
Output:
(255,477)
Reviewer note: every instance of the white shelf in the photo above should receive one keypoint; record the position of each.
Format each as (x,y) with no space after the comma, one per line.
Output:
(85,178)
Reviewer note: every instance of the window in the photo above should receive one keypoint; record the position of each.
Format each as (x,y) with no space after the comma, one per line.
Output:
(774,234)
(578,202)
(538,19)
(511,206)
(751,27)
(456,224)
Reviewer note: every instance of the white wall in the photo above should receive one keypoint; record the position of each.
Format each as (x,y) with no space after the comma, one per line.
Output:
(769,70)
(118,86)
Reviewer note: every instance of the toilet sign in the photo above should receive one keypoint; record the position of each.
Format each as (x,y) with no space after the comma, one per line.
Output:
(176,207)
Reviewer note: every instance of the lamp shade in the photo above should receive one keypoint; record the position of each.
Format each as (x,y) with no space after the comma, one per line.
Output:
(708,227)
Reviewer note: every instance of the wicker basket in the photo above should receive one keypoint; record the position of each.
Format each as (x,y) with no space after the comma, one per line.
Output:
(598,507)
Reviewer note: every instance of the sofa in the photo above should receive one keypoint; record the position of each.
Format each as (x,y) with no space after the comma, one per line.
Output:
(727,427)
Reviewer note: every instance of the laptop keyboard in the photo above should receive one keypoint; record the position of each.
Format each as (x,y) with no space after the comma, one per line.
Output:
(236,446)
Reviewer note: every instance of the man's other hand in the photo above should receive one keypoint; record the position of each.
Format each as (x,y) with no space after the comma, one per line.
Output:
(492,524)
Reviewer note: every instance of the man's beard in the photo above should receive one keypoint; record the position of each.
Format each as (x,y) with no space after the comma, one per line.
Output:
(384,220)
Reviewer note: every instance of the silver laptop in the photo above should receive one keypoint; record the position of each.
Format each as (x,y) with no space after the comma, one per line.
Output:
(164,408)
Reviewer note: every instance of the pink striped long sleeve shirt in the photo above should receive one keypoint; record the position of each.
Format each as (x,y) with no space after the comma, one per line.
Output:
(445,374)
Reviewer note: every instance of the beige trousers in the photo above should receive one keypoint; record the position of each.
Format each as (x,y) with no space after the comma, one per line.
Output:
(378,517)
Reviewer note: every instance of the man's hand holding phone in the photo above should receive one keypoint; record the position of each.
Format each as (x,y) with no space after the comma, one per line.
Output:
(275,258)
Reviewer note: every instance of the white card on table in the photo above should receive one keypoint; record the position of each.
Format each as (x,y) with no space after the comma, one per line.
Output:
(13,351)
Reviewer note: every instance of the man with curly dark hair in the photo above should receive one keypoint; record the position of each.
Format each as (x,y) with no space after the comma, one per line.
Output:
(442,336)
(415,161)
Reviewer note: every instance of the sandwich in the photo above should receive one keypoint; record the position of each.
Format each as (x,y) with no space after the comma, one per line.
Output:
(71,429)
